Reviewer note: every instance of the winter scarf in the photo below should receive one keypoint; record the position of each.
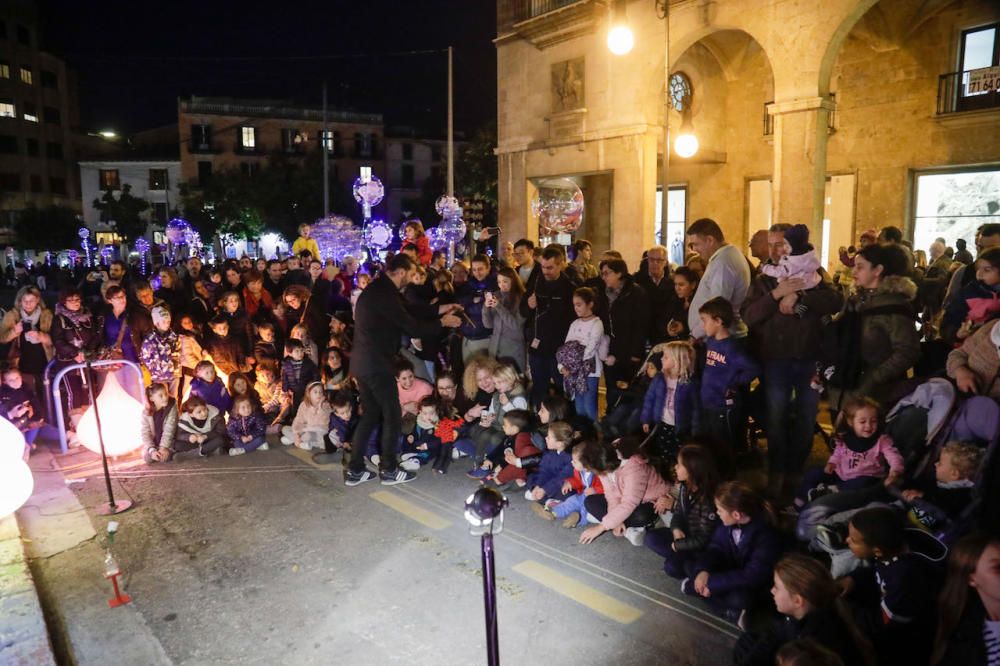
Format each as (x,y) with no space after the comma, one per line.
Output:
(79,317)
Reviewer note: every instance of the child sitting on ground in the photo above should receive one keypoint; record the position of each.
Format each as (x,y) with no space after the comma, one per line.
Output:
(516,456)
(247,427)
(159,424)
(201,430)
(801,263)
(297,371)
(546,482)
(265,349)
(632,488)
(693,516)
(860,458)
(224,347)
(274,403)
(737,565)
(934,506)
(894,600)
(240,385)
(312,420)
(423,442)
(509,395)
(670,408)
(301,333)
(207,386)
(334,372)
(577,488)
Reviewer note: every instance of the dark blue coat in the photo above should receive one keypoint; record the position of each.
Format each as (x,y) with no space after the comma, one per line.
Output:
(747,565)
(686,404)
(556,467)
(471,295)
(241,426)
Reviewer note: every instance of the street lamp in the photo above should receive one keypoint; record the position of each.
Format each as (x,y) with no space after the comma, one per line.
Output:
(686,144)
(620,37)
(484,511)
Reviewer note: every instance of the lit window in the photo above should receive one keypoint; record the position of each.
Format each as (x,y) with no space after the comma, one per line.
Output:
(248,137)
(4,70)
(328,140)
(26,75)
(109,179)
(30,112)
(7,110)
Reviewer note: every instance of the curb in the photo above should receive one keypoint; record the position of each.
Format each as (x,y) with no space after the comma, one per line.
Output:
(24,636)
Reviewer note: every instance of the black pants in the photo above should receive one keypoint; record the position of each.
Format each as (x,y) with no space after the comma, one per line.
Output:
(380,402)
(643,516)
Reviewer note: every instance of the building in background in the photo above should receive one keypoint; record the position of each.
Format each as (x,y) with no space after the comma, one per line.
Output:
(843,115)
(38,117)
(416,169)
(219,133)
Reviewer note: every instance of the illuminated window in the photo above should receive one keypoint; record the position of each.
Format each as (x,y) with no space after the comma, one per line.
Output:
(7,109)
(248,138)
(30,112)
(109,179)
(26,75)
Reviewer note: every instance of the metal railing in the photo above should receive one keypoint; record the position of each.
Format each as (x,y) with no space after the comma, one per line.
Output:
(954,95)
(54,392)
(528,9)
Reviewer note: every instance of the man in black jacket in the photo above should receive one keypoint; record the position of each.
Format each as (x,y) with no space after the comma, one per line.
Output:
(381,320)
(549,309)
(659,287)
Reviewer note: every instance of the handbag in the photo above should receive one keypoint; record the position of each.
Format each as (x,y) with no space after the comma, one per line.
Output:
(14,354)
(114,352)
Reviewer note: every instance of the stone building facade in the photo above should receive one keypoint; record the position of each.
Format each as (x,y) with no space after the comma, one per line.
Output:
(834,114)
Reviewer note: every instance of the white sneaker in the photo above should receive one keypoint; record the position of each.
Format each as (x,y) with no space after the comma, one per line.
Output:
(527,496)
(410,464)
(304,445)
(287,441)
(374,460)
(237,451)
(635,535)
(455,454)
(263,447)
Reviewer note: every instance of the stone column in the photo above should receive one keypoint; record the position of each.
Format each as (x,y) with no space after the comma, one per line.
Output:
(800,139)
(513,198)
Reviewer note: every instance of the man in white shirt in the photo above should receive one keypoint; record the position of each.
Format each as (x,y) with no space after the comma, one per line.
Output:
(727,274)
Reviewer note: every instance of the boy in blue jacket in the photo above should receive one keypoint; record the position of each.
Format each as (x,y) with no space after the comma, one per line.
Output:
(546,482)
(728,371)
(209,387)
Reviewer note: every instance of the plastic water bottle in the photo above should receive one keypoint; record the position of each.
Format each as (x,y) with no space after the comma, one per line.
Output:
(110,565)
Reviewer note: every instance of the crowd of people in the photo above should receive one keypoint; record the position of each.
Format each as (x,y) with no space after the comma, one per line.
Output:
(885,553)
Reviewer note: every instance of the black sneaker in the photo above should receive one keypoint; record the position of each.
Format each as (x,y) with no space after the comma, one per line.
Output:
(357,478)
(397,477)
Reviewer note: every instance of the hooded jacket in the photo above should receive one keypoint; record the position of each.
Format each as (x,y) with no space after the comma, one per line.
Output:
(160,353)
(165,438)
(242,426)
(214,425)
(686,404)
(890,344)
(635,482)
(976,302)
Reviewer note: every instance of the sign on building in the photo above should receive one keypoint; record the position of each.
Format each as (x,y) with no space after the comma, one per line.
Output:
(983,80)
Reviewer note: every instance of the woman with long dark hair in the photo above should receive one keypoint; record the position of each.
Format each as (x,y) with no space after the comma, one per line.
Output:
(502,313)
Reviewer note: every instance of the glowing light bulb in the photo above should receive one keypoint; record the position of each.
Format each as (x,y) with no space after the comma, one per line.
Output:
(620,39)
(686,145)
(121,415)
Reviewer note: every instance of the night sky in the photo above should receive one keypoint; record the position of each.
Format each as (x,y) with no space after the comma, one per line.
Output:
(134,59)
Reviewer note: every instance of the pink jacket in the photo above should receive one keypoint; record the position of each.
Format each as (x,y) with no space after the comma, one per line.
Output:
(632,484)
(312,419)
(850,465)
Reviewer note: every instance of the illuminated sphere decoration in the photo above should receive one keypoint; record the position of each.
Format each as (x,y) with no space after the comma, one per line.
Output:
(558,206)
(121,415)
(84,233)
(337,237)
(447,206)
(436,239)
(452,229)
(378,235)
(370,192)
(176,231)
(16,482)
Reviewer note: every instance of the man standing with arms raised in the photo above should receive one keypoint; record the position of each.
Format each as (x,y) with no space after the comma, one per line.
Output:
(381,320)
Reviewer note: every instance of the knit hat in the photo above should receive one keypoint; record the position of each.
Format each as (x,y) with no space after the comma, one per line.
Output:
(160,315)
(798,239)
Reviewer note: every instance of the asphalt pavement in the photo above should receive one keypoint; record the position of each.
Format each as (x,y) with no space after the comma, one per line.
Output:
(267,558)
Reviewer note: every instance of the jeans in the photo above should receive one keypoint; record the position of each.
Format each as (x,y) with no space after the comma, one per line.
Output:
(569,505)
(586,402)
(791,413)
(252,445)
(544,371)
(380,402)
(642,516)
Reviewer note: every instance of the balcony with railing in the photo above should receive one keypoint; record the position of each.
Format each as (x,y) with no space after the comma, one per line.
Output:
(547,22)
(971,90)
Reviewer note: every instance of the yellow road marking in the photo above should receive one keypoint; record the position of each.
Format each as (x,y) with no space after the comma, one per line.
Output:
(582,594)
(410,510)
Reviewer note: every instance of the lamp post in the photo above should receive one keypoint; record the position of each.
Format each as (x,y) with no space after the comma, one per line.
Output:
(620,42)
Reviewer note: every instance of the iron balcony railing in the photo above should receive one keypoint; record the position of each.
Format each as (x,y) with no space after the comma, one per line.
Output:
(955,94)
(528,9)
